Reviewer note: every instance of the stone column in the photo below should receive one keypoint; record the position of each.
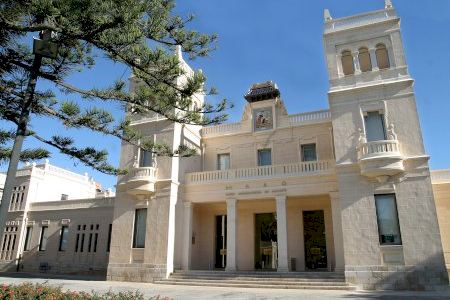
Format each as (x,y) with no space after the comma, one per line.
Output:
(339,263)
(187,233)
(231,235)
(356,62)
(283,265)
(373,59)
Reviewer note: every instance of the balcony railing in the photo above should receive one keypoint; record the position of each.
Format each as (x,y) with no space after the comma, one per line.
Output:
(310,117)
(297,169)
(378,149)
(221,129)
(359,20)
(141,173)
(440,176)
(140,181)
(380,159)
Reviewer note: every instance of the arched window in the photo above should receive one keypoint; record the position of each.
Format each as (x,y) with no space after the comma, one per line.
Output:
(382,57)
(347,63)
(364,60)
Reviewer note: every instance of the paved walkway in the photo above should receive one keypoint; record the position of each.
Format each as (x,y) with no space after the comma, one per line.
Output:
(200,293)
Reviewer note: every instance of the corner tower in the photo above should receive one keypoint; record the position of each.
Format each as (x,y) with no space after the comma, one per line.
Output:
(390,231)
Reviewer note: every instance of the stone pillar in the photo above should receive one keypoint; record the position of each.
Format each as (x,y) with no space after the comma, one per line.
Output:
(373,59)
(356,62)
(231,235)
(339,263)
(187,233)
(283,265)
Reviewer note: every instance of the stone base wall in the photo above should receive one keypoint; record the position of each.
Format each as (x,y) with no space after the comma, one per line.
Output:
(135,272)
(397,278)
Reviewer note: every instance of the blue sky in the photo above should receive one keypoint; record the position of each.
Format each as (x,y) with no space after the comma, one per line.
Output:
(282,41)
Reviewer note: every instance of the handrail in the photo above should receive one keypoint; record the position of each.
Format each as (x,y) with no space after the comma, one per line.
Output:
(296,169)
(378,148)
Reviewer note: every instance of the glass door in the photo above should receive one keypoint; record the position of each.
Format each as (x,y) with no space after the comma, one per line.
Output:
(266,250)
(221,242)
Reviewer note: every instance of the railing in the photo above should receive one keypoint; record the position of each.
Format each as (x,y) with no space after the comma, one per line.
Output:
(221,129)
(142,118)
(440,176)
(358,20)
(297,169)
(141,173)
(378,148)
(310,117)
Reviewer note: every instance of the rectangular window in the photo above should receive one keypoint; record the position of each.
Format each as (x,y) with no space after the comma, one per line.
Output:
(95,242)
(223,161)
(139,228)
(82,243)
(264,157)
(90,242)
(146,159)
(375,130)
(387,218)
(309,152)
(63,239)
(108,246)
(43,238)
(77,242)
(27,243)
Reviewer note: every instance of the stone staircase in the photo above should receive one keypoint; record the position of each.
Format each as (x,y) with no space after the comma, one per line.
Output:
(271,280)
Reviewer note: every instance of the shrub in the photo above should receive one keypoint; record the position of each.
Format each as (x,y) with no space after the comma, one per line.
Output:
(29,291)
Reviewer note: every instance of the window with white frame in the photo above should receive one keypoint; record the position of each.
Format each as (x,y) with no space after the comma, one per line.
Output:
(374,124)
(223,161)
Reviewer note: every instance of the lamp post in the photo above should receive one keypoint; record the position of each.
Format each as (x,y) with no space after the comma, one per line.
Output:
(42,47)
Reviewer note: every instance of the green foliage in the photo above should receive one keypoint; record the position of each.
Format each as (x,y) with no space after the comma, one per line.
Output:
(47,292)
(139,34)
(26,155)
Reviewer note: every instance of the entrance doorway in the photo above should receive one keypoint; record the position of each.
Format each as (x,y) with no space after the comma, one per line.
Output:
(266,250)
(314,238)
(221,242)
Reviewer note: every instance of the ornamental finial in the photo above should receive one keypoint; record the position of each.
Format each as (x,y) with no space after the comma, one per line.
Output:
(388,4)
(326,15)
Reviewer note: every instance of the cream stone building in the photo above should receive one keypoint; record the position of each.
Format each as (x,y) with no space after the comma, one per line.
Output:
(340,194)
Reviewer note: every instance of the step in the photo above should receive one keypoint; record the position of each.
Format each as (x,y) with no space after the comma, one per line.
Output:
(260,274)
(269,282)
(256,285)
(248,278)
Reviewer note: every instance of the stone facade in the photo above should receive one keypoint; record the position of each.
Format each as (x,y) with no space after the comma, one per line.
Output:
(345,190)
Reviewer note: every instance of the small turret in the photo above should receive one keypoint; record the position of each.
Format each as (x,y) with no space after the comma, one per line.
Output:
(262,91)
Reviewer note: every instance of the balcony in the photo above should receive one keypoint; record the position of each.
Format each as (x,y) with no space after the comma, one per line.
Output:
(380,159)
(323,167)
(140,181)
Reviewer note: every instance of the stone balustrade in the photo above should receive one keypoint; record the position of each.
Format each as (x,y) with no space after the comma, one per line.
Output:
(140,181)
(380,159)
(292,120)
(141,173)
(310,117)
(296,169)
(358,20)
(440,176)
(221,129)
(378,148)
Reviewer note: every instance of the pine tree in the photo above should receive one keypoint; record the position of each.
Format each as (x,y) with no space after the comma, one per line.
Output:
(141,34)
